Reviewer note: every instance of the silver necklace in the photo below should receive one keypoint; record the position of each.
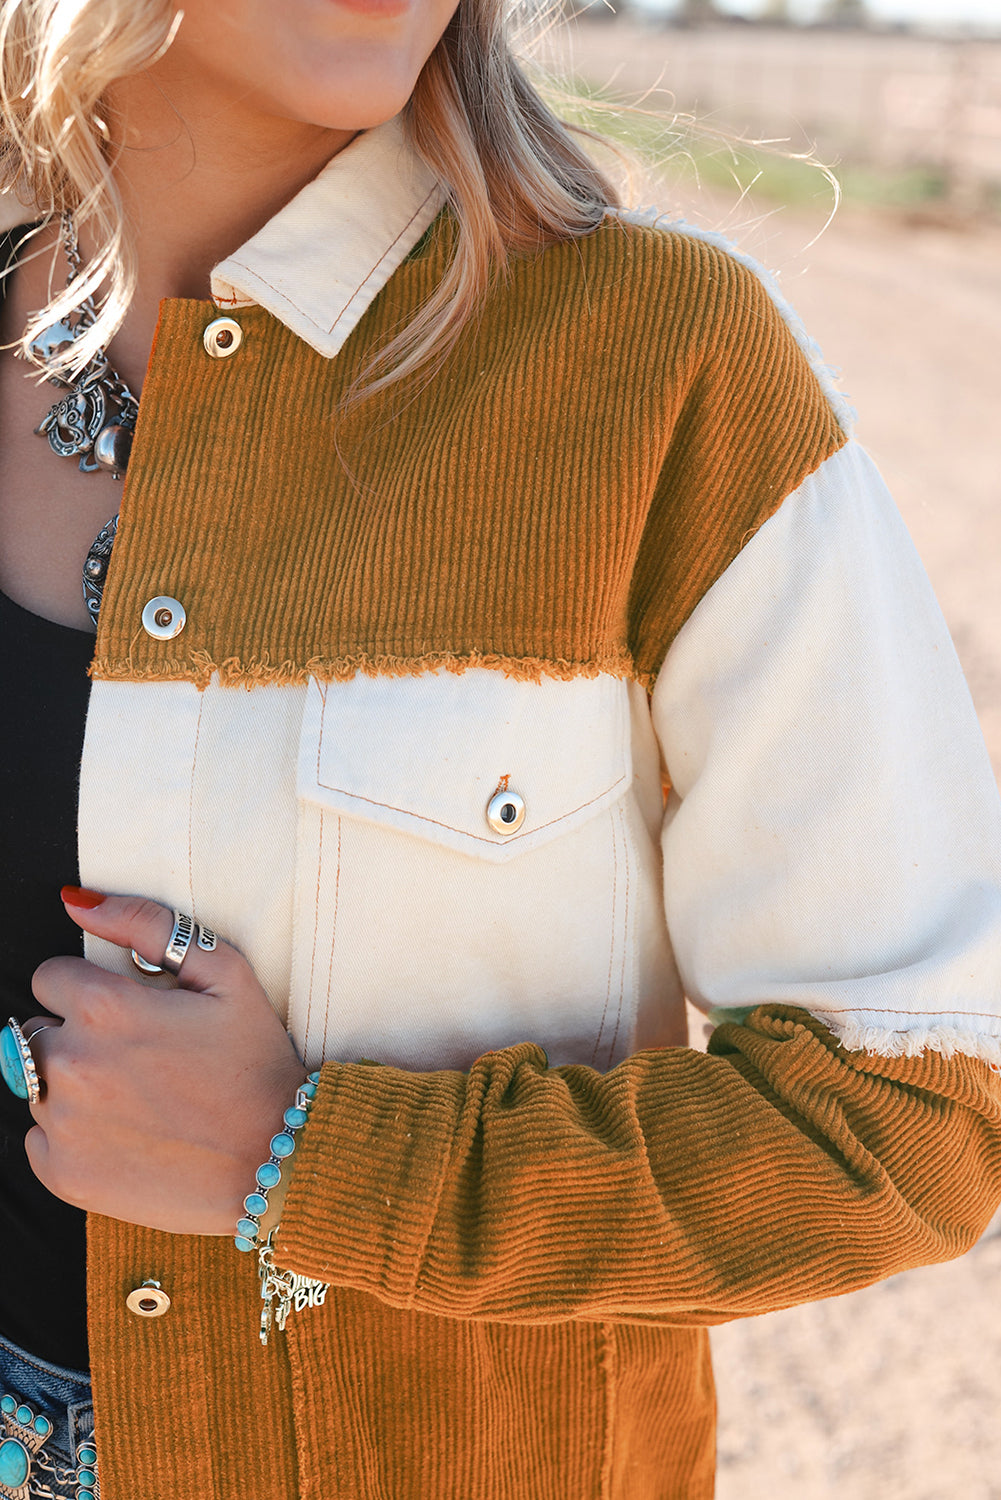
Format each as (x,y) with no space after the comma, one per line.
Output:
(95,567)
(95,421)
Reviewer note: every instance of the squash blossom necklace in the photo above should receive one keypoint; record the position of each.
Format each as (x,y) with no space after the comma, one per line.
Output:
(96,418)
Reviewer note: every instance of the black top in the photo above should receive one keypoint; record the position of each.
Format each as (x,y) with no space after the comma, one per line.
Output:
(44,690)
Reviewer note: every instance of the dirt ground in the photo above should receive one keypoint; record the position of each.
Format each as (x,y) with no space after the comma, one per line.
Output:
(893,1393)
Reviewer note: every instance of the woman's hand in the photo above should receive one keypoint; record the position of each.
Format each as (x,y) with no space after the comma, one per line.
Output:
(157,1105)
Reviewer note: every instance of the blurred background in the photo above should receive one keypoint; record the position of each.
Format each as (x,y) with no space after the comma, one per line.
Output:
(894,1392)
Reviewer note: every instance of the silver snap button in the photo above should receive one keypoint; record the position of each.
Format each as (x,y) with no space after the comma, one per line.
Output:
(505,812)
(163,618)
(148,1300)
(222,337)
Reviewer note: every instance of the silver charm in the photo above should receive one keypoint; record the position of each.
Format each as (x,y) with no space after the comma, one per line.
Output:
(284,1290)
(52,342)
(112,447)
(73,423)
(95,568)
(276,1291)
(95,420)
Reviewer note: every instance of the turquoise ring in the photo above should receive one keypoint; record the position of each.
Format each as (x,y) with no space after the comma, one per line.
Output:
(17,1064)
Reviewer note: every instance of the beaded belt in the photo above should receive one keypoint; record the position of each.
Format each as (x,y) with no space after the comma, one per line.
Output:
(27,1472)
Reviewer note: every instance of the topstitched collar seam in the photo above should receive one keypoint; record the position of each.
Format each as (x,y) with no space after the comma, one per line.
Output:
(240,265)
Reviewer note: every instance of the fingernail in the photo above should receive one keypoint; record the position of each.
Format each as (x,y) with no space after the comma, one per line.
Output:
(78,895)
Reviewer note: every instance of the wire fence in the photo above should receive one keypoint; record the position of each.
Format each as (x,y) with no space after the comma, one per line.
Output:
(895,102)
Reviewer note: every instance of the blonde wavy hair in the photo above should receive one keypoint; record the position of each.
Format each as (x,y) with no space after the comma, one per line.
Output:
(515,177)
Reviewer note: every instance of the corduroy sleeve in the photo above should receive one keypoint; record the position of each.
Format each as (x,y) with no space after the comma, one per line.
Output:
(832,836)
(831,846)
(679,1187)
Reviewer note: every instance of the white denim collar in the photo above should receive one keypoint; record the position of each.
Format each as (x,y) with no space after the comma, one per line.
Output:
(318,264)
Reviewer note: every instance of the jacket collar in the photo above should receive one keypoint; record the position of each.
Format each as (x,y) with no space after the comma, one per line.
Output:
(322,259)
(320,262)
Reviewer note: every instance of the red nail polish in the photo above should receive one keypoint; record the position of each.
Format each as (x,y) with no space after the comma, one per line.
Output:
(78,895)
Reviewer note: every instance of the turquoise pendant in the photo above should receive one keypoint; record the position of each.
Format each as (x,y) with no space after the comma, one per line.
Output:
(25,1434)
(15,1465)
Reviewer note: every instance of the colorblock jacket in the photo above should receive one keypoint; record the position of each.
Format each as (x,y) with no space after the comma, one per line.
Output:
(510,707)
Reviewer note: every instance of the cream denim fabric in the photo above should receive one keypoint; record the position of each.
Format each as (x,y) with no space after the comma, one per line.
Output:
(833,838)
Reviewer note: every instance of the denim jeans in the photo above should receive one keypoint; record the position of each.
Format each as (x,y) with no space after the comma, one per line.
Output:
(64,1397)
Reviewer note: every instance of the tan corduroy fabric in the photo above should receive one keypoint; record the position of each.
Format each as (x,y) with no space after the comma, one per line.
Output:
(522,1259)
(624,415)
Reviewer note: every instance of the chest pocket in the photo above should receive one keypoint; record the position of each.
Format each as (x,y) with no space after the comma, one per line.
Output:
(435,755)
(459,840)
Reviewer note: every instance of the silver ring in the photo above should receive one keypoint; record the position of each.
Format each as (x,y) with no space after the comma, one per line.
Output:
(206,940)
(143,964)
(49,1026)
(17,1064)
(178,943)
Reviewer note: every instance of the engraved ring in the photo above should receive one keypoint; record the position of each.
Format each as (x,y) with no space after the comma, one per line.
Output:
(184,931)
(178,943)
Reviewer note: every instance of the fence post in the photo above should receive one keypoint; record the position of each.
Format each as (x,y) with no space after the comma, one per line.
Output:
(962,180)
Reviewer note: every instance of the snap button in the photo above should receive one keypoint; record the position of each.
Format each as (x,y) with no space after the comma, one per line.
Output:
(505,812)
(163,618)
(222,337)
(148,1300)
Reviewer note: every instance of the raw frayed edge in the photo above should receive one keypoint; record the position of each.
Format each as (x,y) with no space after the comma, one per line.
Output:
(200,669)
(654,218)
(948,1041)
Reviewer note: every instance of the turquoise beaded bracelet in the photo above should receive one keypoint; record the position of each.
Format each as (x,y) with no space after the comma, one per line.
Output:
(269,1173)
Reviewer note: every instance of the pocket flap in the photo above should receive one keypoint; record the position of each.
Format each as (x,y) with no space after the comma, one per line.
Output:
(428,755)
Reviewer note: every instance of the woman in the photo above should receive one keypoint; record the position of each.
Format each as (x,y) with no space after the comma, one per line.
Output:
(460,509)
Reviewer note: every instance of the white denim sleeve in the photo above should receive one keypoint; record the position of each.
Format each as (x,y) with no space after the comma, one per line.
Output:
(833,836)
